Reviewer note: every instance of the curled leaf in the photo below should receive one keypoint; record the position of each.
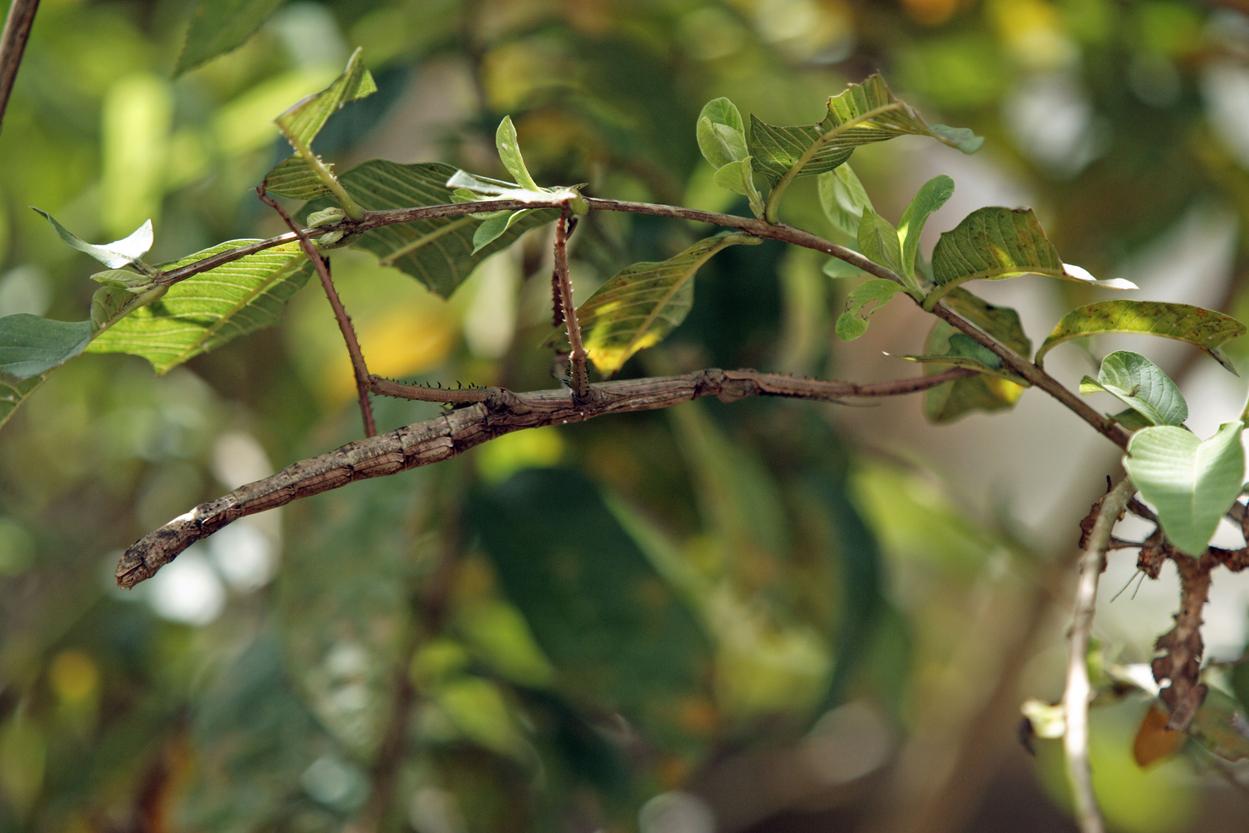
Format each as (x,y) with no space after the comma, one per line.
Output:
(1203,328)
(114,255)
(1141,385)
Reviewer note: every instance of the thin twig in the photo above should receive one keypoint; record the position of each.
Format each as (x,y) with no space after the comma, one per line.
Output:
(358,368)
(448,435)
(758,228)
(1078,692)
(579,378)
(13,46)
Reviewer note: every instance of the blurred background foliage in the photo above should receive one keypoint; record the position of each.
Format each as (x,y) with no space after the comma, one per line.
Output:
(773,616)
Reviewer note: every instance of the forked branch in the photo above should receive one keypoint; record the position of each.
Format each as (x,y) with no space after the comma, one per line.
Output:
(498,412)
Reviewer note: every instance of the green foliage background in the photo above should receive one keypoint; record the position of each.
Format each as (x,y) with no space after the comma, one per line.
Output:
(783,615)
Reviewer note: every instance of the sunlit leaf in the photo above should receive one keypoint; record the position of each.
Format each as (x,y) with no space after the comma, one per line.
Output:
(205,311)
(861,303)
(506,142)
(218,26)
(301,123)
(931,196)
(31,345)
(1141,385)
(1000,243)
(952,400)
(843,199)
(1190,482)
(294,179)
(863,114)
(640,305)
(440,253)
(114,255)
(1203,328)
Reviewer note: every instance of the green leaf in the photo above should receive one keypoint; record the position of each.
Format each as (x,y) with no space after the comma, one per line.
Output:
(301,123)
(509,154)
(617,634)
(1190,482)
(440,253)
(31,346)
(640,305)
(738,177)
(999,243)
(207,310)
(948,402)
(863,114)
(1141,385)
(114,255)
(1202,328)
(495,226)
(930,197)
(219,26)
(878,241)
(721,133)
(843,199)
(294,179)
(861,303)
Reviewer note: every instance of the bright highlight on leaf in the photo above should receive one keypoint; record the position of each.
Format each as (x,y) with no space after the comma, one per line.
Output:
(114,255)
(210,309)
(1141,385)
(1203,328)
(508,145)
(297,177)
(722,139)
(999,243)
(878,241)
(931,196)
(640,305)
(1190,482)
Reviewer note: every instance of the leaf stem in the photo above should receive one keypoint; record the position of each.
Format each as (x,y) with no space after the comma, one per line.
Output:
(580,380)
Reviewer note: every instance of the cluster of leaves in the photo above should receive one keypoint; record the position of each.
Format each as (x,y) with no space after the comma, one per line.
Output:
(141,309)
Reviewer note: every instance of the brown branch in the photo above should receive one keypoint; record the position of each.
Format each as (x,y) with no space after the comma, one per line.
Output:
(578,377)
(758,228)
(448,435)
(1178,669)
(1078,692)
(13,46)
(358,368)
